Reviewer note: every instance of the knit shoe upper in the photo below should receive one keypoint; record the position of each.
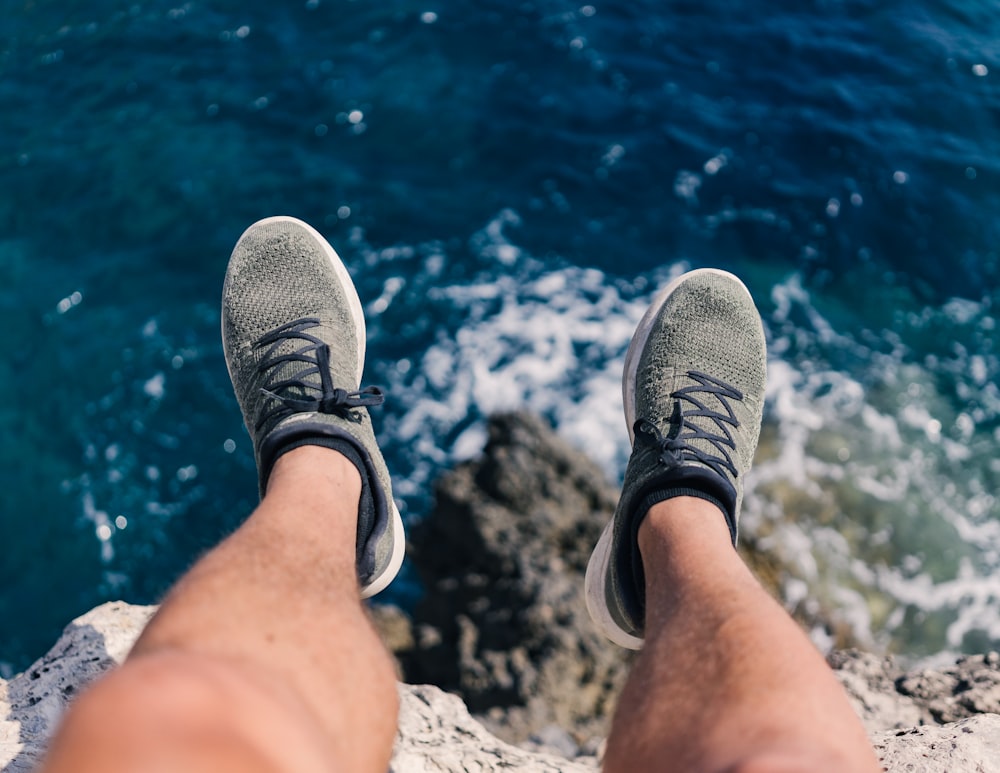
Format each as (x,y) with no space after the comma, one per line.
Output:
(293,333)
(693,390)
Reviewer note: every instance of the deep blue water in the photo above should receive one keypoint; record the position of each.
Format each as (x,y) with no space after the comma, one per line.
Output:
(508,183)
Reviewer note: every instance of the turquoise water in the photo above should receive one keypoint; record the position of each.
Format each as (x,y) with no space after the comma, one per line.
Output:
(508,183)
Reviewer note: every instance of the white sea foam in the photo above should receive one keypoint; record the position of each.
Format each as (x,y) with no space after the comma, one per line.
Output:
(873,457)
(881,451)
(551,341)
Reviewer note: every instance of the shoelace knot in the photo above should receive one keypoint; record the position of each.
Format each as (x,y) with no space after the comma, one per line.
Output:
(315,354)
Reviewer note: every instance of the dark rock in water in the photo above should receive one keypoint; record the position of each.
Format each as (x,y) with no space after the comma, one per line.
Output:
(503,622)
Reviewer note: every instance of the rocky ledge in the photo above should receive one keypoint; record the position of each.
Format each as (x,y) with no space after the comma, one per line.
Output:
(502,631)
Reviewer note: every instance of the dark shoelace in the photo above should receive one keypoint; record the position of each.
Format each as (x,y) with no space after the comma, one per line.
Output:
(675,447)
(316,355)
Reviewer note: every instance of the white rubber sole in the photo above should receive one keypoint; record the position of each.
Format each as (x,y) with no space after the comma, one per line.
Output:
(600,560)
(381,582)
(594,593)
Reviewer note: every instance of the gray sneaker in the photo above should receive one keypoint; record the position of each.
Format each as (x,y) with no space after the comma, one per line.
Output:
(293,332)
(694,395)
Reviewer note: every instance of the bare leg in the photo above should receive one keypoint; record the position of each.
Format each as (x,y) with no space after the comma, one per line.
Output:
(726,680)
(261,658)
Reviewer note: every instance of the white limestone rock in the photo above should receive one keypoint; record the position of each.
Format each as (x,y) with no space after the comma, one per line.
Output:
(969,745)
(437,734)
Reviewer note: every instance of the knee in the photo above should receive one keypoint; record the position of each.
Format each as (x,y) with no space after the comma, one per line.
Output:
(154,689)
(148,698)
(177,711)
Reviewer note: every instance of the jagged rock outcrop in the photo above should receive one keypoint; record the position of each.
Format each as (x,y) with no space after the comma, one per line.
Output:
(437,735)
(962,747)
(503,621)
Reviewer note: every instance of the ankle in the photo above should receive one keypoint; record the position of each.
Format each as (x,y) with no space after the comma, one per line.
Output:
(686,553)
(314,470)
(679,531)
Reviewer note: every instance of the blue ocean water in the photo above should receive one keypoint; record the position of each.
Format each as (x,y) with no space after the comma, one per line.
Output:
(508,182)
